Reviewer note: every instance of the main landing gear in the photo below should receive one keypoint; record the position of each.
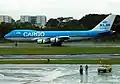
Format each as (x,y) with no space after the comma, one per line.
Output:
(56,44)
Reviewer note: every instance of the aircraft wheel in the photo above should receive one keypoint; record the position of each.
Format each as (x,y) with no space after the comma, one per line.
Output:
(56,44)
(16,44)
(110,70)
(98,71)
(104,71)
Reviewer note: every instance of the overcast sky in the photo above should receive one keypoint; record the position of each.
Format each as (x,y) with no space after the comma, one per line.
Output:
(58,8)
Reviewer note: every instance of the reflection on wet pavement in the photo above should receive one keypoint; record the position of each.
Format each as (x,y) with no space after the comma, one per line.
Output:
(56,74)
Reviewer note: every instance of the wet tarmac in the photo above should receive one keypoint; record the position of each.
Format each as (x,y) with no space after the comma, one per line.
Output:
(56,74)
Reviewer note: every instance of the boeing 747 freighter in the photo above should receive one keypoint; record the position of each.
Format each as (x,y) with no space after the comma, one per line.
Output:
(56,38)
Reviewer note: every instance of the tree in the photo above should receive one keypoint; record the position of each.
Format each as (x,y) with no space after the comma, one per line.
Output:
(52,23)
(5,28)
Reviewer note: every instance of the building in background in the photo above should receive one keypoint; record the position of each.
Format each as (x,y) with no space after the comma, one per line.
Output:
(24,19)
(6,19)
(36,20)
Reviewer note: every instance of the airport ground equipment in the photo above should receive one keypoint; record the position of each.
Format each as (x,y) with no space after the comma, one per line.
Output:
(104,68)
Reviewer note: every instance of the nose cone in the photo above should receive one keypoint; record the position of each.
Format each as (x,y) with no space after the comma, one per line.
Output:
(6,36)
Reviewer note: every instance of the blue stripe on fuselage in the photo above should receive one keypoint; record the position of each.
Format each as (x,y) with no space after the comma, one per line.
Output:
(34,33)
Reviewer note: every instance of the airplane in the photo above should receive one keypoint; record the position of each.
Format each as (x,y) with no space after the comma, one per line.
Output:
(56,38)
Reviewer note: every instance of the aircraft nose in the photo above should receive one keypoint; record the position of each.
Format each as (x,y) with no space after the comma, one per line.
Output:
(6,36)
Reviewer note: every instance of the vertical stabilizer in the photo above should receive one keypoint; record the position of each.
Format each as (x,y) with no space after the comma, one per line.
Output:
(105,24)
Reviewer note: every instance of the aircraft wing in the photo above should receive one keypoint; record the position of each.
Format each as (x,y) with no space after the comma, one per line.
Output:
(35,38)
(58,39)
(63,37)
(53,39)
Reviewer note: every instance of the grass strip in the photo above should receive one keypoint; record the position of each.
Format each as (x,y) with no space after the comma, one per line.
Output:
(62,61)
(59,50)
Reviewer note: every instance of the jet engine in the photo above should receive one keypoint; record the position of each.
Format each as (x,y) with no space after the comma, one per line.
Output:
(41,41)
(50,40)
(54,40)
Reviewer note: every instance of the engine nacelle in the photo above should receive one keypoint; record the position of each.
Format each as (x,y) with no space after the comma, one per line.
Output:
(41,41)
(54,40)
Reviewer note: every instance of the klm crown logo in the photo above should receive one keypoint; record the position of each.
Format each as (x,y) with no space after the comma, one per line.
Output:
(104,25)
